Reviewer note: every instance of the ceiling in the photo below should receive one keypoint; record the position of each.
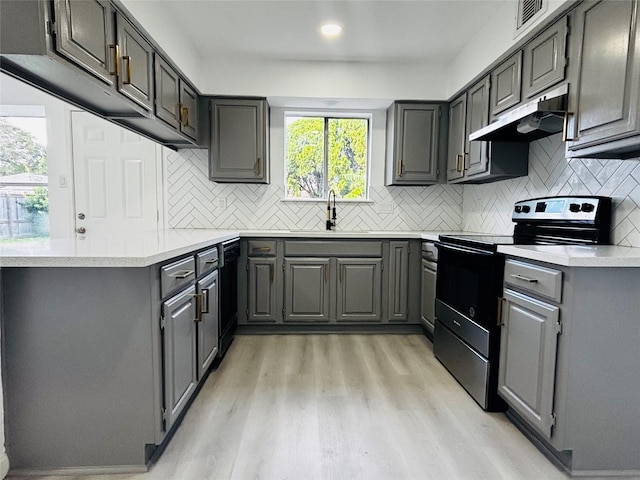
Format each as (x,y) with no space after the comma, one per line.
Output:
(374,31)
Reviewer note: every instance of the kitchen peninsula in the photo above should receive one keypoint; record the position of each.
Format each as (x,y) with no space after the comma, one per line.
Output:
(83,330)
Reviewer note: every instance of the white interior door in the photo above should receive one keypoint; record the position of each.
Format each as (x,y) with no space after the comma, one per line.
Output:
(115,179)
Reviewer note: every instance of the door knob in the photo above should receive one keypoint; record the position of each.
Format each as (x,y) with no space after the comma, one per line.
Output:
(81,230)
(81,216)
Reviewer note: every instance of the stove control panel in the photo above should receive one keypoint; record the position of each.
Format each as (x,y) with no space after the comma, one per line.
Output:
(557,208)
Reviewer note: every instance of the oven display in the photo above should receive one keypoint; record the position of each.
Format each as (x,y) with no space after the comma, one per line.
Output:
(550,206)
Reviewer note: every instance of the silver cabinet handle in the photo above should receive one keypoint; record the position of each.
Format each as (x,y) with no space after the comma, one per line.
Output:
(204,306)
(523,278)
(183,274)
(81,230)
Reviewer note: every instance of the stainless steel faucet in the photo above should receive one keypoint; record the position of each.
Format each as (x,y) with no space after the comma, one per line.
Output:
(331,214)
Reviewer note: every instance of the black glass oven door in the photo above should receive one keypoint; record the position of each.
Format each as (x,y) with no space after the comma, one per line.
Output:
(470,282)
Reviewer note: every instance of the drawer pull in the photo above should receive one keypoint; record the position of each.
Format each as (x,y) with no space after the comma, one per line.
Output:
(261,249)
(183,274)
(523,278)
(211,262)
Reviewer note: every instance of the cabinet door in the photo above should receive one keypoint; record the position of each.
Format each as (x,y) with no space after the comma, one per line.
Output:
(167,93)
(457,137)
(528,347)
(179,352)
(398,281)
(505,84)
(208,325)
(416,144)
(238,141)
(605,100)
(189,111)
(477,160)
(136,64)
(86,36)
(306,291)
(544,59)
(428,297)
(359,290)
(262,290)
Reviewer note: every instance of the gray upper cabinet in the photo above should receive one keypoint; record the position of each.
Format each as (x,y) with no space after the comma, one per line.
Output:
(605,93)
(359,295)
(413,143)
(239,140)
(545,59)
(86,36)
(176,101)
(457,138)
(136,64)
(92,55)
(506,84)
(476,161)
(480,162)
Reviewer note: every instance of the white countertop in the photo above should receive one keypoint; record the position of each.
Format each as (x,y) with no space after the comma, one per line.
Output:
(134,250)
(577,256)
(148,248)
(144,249)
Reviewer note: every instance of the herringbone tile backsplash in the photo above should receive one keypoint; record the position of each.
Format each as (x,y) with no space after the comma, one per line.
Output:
(194,202)
(487,208)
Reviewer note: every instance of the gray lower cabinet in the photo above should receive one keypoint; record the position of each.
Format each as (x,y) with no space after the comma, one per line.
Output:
(428,295)
(414,145)
(306,289)
(239,142)
(528,344)
(262,290)
(569,362)
(605,90)
(208,321)
(398,275)
(359,293)
(179,342)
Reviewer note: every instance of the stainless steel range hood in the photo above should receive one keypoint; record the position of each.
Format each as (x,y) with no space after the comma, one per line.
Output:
(539,118)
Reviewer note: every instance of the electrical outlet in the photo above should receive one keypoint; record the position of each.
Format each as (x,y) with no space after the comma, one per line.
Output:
(222,203)
(385,208)
(62,181)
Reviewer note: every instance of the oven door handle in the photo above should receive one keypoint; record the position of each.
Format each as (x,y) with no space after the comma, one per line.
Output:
(471,251)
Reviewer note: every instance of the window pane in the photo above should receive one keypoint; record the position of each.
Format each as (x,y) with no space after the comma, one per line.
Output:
(348,157)
(305,157)
(24,196)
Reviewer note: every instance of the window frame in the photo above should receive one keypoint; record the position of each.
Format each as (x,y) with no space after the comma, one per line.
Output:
(327,115)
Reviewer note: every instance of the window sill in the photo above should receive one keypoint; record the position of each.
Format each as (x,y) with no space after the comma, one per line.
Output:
(324,201)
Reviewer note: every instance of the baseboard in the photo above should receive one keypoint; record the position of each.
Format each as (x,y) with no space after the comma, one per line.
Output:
(4,465)
(76,471)
(402,329)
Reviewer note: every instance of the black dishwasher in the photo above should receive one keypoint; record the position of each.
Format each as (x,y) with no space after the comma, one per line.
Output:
(228,295)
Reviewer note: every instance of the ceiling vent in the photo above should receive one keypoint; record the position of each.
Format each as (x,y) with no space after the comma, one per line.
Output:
(528,10)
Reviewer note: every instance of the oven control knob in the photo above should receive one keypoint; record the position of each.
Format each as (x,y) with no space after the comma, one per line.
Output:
(518,209)
(575,207)
(588,207)
(526,208)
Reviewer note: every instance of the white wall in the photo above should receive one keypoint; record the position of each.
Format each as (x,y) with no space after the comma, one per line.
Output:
(491,41)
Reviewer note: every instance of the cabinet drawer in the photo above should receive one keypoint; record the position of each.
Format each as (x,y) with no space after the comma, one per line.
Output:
(261,248)
(543,281)
(176,274)
(314,248)
(207,261)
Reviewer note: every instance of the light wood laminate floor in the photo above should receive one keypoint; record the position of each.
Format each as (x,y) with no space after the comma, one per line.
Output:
(340,407)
